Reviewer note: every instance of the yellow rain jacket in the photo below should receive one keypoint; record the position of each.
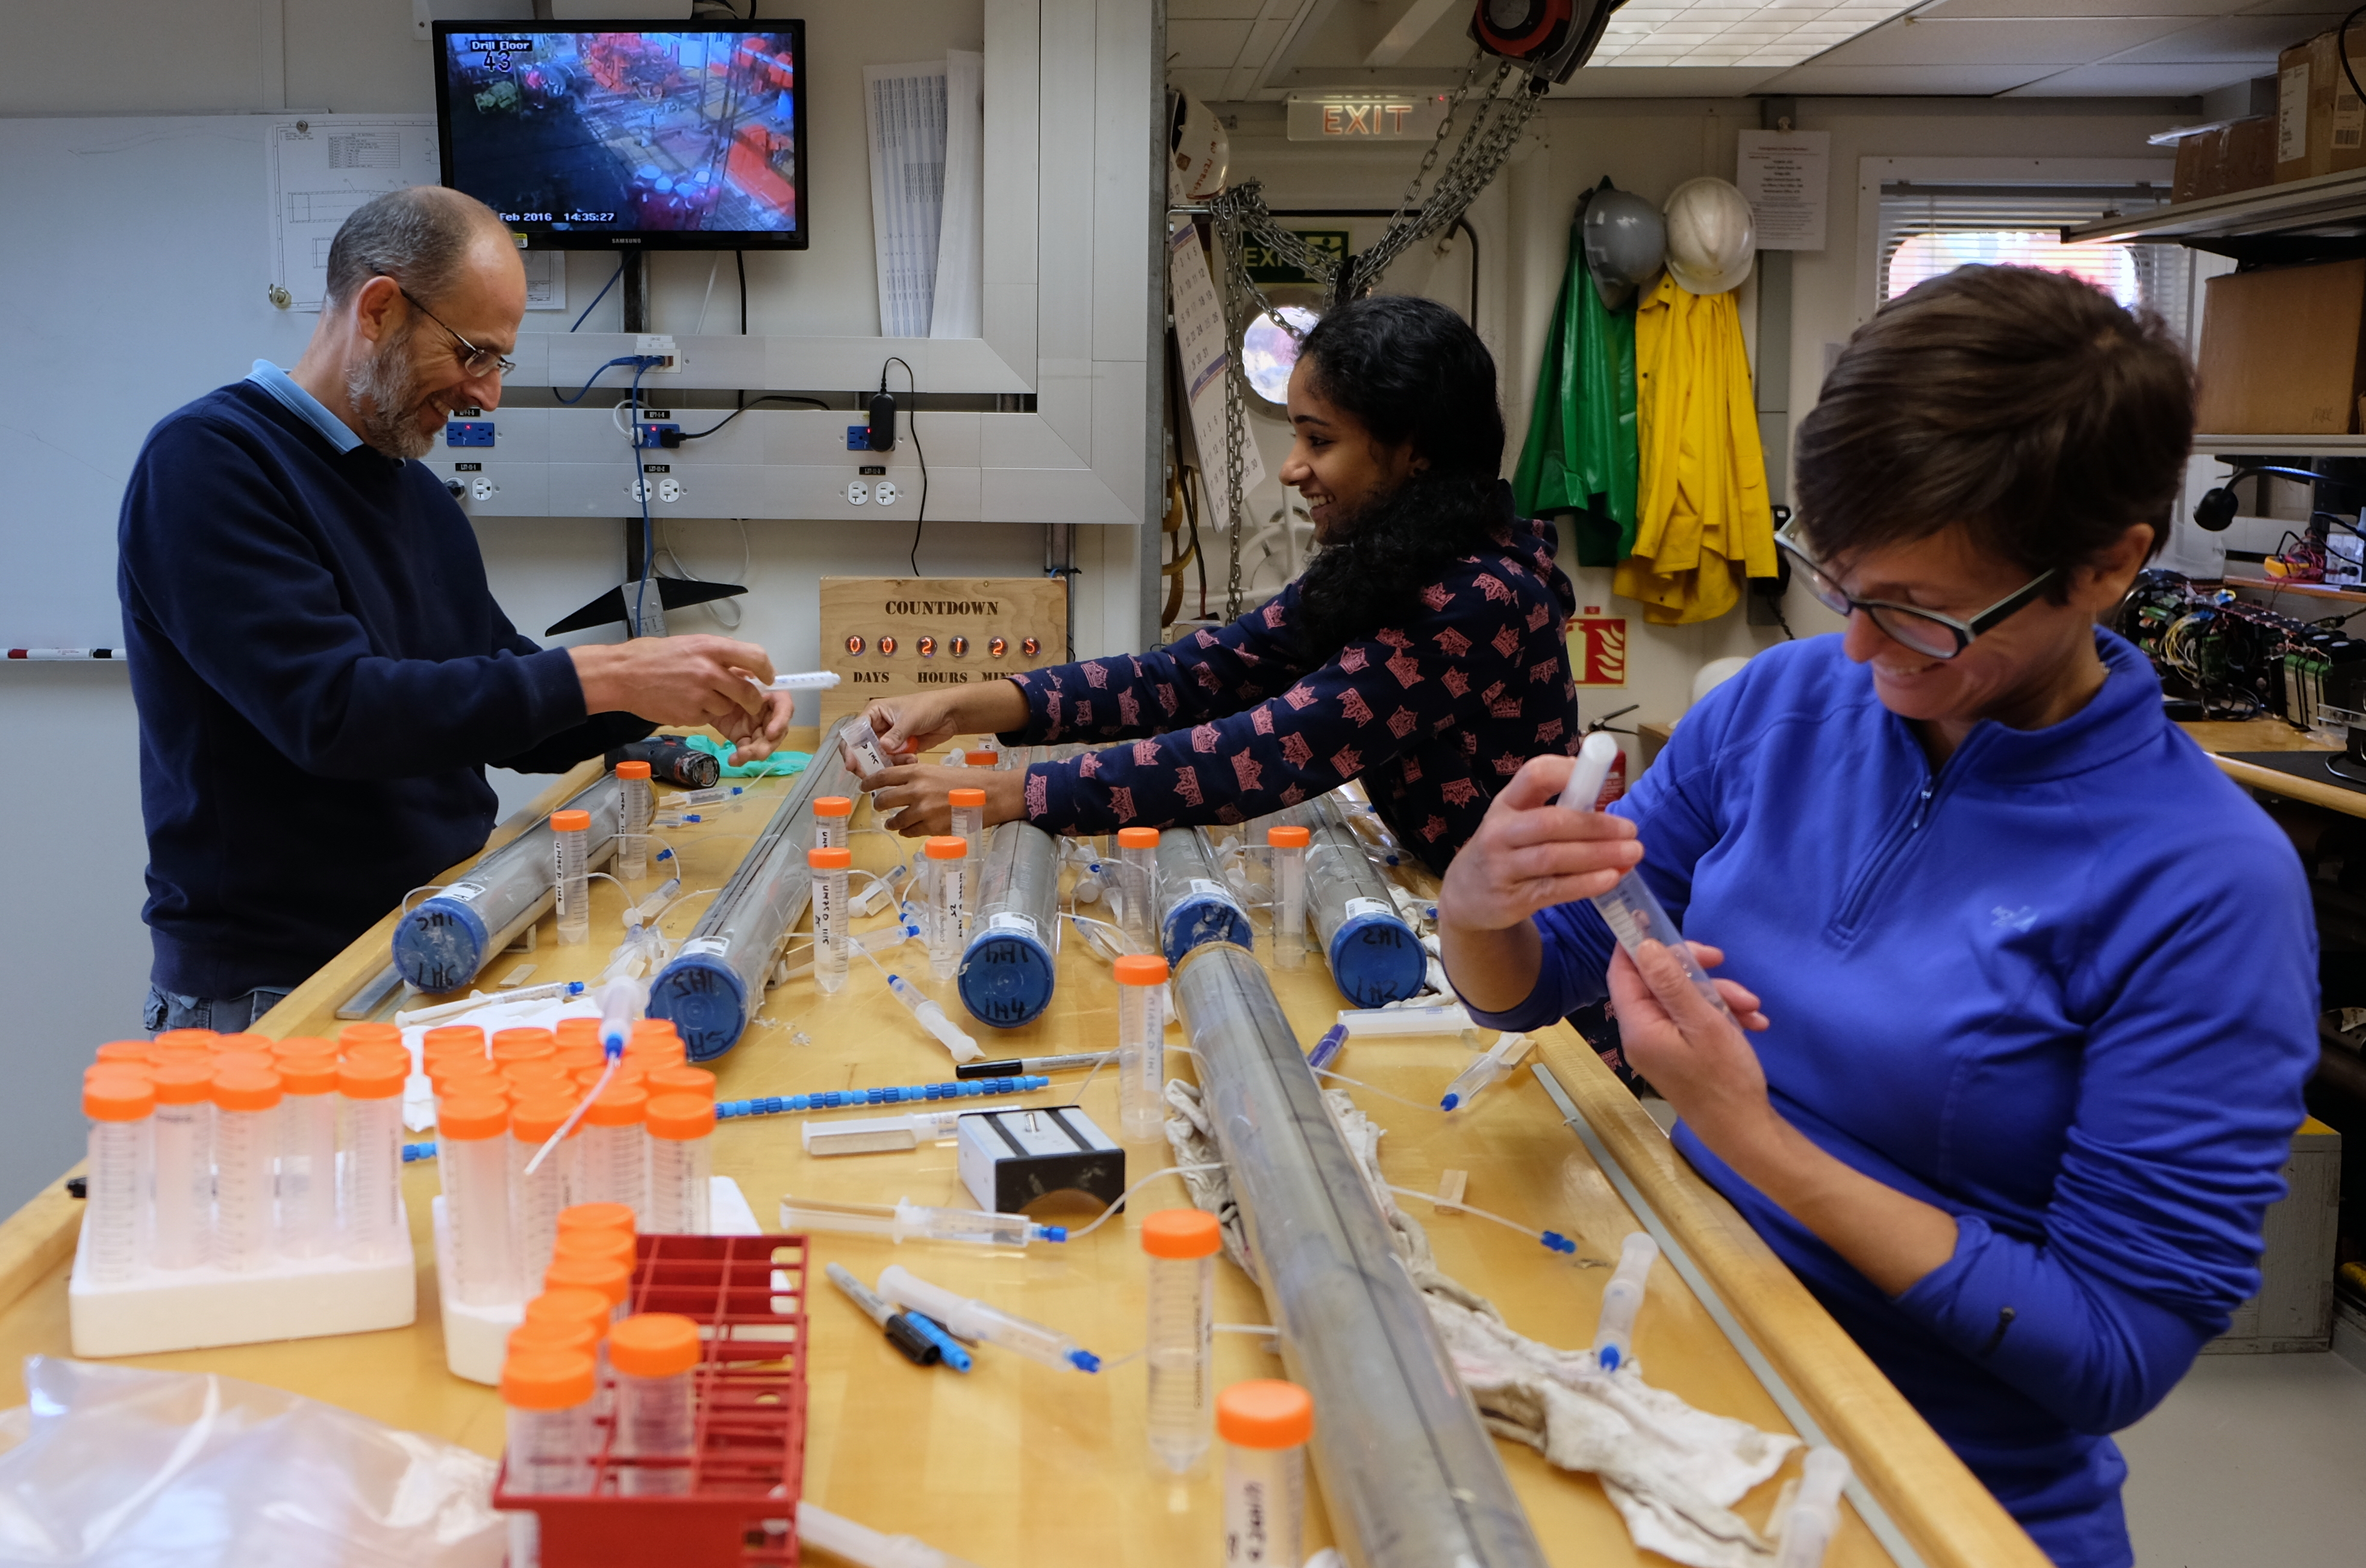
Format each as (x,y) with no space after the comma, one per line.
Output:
(1703,519)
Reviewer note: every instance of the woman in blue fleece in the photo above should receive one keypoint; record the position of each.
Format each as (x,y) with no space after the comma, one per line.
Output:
(2033,985)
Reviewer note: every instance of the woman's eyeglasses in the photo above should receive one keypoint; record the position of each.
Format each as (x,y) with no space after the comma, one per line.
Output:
(1924,631)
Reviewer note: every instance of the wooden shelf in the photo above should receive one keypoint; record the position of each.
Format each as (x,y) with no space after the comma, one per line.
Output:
(2303,590)
(2328,204)
(2281,445)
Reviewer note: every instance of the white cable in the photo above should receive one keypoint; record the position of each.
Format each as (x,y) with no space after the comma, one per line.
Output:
(708,299)
(1076,1235)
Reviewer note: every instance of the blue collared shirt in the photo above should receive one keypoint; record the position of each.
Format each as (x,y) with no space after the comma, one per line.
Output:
(303,405)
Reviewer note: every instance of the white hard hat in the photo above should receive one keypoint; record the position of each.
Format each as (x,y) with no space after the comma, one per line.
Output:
(1711,239)
(1716,673)
(1197,150)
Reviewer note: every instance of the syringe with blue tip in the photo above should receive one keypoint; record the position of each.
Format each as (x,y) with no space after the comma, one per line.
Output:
(904,1220)
(983,1324)
(1499,1060)
(1622,1297)
(1630,909)
(932,1019)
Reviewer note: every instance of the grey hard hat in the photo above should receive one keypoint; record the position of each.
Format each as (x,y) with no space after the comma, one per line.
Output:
(1625,241)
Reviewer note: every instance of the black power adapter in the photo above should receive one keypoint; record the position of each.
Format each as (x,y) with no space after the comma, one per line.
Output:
(882,420)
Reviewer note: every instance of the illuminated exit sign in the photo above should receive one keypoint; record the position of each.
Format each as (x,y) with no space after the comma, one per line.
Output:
(1364,117)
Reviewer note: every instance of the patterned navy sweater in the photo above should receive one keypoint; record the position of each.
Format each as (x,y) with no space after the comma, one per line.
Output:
(1435,714)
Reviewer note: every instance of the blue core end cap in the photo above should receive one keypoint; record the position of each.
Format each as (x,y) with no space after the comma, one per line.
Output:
(1607,1358)
(1449,1102)
(1196,922)
(1376,960)
(707,1003)
(441,945)
(1006,980)
(1053,1233)
(1084,1361)
(1558,1243)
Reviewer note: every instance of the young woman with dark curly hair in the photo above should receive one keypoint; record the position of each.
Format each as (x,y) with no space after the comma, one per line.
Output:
(1423,650)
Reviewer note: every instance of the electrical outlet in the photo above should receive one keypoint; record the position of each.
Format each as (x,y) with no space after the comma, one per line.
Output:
(857,494)
(858,438)
(662,346)
(884,492)
(641,490)
(468,432)
(482,488)
(652,433)
(669,489)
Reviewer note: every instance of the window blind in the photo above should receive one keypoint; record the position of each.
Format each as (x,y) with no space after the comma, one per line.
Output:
(1928,229)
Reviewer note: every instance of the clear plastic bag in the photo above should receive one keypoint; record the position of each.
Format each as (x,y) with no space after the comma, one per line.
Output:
(115,1467)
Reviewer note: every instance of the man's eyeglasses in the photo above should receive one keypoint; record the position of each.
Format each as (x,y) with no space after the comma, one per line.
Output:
(474,361)
(1924,631)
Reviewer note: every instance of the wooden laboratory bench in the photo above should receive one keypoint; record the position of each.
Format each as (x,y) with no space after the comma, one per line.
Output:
(2219,737)
(1016,1465)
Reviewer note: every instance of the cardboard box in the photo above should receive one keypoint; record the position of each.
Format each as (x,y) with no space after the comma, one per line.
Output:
(2281,351)
(2320,122)
(2224,159)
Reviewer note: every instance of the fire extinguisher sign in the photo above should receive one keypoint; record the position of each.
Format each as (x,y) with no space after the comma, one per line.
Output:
(1597,648)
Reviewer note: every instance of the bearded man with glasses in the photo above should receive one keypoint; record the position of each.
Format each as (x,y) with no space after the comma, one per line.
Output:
(322,673)
(2032,985)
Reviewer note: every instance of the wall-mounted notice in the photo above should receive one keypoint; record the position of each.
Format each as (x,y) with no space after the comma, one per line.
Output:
(905,118)
(1786,174)
(1206,360)
(320,168)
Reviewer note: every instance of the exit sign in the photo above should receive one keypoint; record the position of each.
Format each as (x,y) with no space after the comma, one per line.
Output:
(1364,117)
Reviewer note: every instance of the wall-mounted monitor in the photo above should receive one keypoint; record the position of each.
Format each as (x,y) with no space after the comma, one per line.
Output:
(654,136)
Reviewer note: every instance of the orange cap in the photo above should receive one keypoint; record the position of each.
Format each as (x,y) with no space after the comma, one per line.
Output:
(570,821)
(596,1217)
(470,1118)
(1137,837)
(245,1089)
(453,1037)
(554,1333)
(837,858)
(117,1097)
(631,770)
(545,1072)
(316,1073)
(576,1056)
(613,1246)
(466,1070)
(944,846)
(967,797)
(245,1040)
(303,1046)
(260,1060)
(679,1118)
(354,1036)
(654,1028)
(1264,1413)
(576,1032)
(612,1280)
(571,1306)
(1287,838)
(135,1051)
(136,1072)
(534,1118)
(648,1053)
(619,1105)
(202,1038)
(1141,969)
(373,1076)
(547,1380)
(183,1083)
(654,1345)
(833,805)
(981,759)
(680,1081)
(524,1045)
(1181,1233)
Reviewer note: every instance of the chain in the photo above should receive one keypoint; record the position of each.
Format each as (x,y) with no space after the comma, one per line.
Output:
(1238,288)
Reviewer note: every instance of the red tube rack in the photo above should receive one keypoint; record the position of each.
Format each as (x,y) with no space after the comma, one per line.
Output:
(749,1292)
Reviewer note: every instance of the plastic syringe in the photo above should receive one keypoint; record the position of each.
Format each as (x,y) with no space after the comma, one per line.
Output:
(932,1019)
(803,681)
(1445,1018)
(922,1343)
(1622,1297)
(983,1325)
(1630,909)
(904,1220)
(476,1000)
(1815,1511)
(1498,1061)
(865,1547)
(879,1134)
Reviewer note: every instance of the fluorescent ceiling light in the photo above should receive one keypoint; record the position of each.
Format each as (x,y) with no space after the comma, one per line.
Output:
(1726,32)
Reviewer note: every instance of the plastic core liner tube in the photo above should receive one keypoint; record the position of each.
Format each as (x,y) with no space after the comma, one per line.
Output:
(716,981)
(1194,902)
(1410,1477)
(1007,973)
(446,941)
(1375,957)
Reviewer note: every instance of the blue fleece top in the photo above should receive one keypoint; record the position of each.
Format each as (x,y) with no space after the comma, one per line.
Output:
(322,674)
(2064,990)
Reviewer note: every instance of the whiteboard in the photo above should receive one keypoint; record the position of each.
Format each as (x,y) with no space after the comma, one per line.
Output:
(134,264)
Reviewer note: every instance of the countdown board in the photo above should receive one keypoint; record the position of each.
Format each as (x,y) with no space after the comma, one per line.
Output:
(891,637)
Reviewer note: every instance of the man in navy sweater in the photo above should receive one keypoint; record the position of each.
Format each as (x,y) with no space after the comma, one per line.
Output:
(322,673)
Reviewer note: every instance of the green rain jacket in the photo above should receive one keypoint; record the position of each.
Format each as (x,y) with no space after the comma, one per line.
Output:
(1580,455)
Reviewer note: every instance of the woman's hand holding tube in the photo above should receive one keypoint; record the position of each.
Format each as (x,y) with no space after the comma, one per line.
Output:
(908,726)
(1527,855)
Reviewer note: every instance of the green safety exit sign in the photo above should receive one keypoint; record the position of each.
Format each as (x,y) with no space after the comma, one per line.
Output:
(1264,267)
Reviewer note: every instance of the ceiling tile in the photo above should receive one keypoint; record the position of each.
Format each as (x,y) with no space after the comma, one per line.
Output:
(1204,45)
(2249,40)
(2115,81)
(1900,81)
(2017,41)
(1664,81)
(1955,11)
